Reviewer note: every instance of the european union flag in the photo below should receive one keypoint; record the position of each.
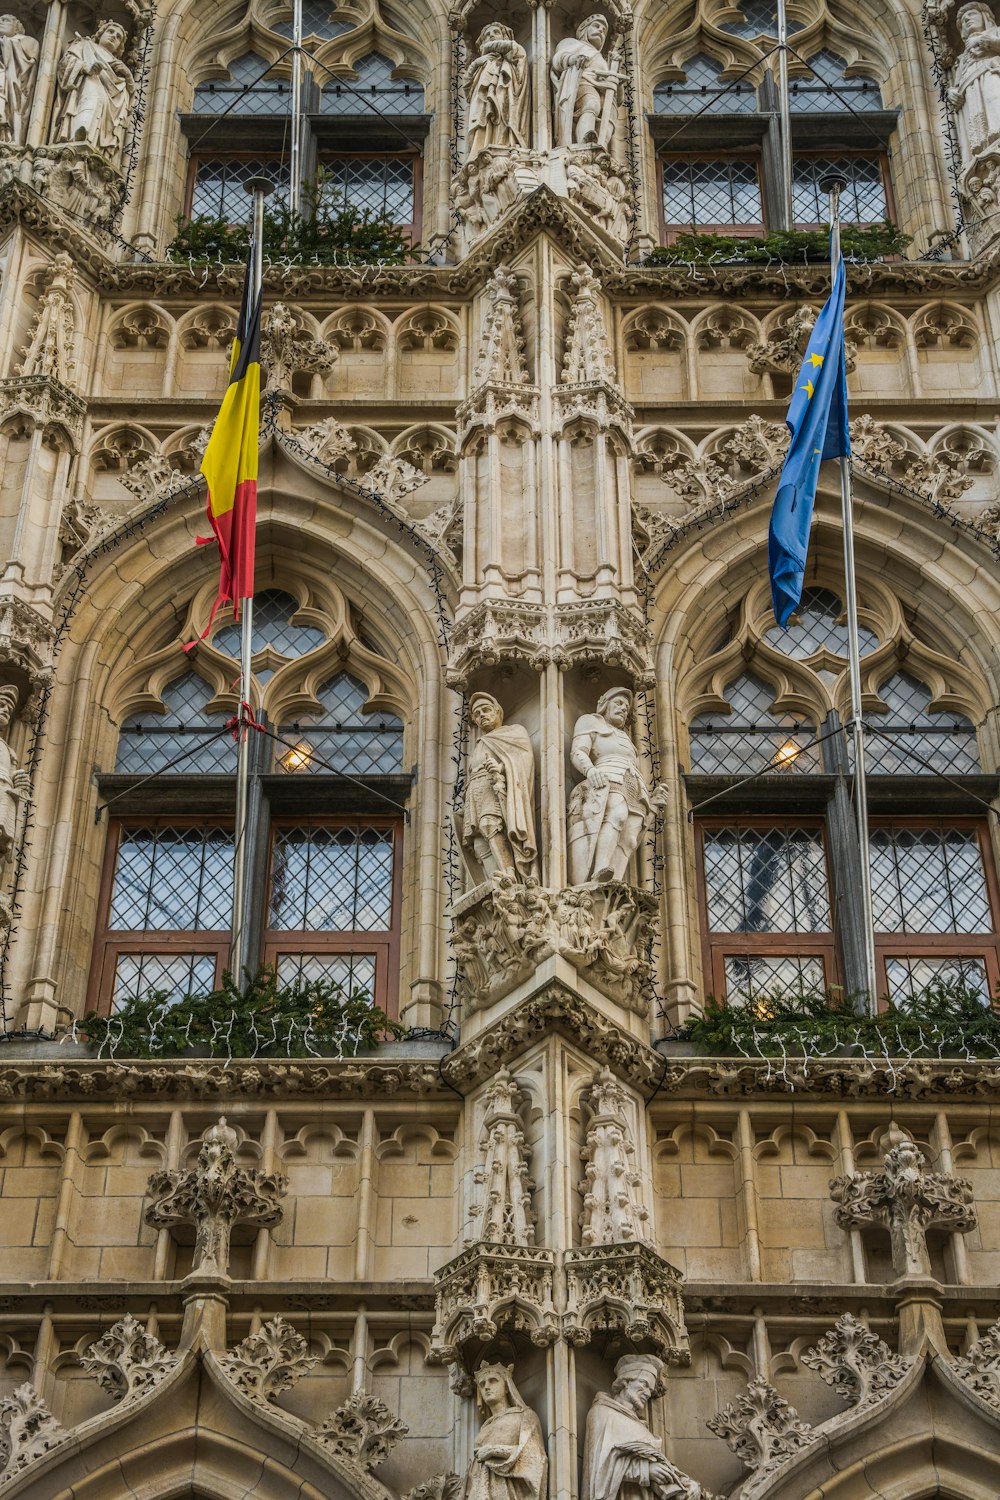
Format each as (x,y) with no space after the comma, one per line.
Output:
(817,420)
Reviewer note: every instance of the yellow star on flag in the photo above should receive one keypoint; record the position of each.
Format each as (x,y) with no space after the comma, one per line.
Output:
(809,388)
(816,360)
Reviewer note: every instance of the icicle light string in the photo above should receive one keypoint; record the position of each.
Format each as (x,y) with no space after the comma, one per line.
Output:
(939,72)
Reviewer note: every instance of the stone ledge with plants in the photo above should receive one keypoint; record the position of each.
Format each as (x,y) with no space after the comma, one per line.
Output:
(941,1020)
(262,1019)
(875,242)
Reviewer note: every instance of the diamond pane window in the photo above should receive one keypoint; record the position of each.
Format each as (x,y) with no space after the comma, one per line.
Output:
(374,91)
(220,186)
(150,742)
(245,91)
(346,739)
(906,977)
(758,18)
(752,979)
(863,200)
(720,192)
(378,185)
(752,736)
(819,624)
(766,880)
(176,974)
(920,741)
(273,627)
(317,20)
(702,91)
(929,880)
(172,880)
(354,971)
(826,87)
(332,880)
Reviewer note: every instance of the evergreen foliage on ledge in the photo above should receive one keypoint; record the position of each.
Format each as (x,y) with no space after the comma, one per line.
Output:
(786,246)
(942,1020)
(324,233)
(263,1019)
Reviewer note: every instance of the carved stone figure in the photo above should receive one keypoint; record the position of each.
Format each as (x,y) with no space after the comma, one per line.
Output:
(15,785)
(96,90)
(214,1197)
(496,87)
(586,89)
(498,821)
(622,1460)
(18,61)
(49,351)
(509,1461)
(907,1200)
(975,91)
(609,809)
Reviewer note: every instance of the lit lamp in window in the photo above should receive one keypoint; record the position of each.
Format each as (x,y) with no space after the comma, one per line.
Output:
(786,755)
(297,758)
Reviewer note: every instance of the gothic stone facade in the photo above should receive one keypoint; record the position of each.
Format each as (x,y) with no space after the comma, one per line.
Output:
(513,637)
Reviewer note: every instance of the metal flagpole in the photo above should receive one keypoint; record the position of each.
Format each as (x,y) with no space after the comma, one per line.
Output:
(295,165)
(259,187)
(784,114)
(834,186)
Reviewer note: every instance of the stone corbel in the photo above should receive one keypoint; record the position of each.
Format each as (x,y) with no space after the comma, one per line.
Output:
(43,402)
(628,1289)
(487,1290)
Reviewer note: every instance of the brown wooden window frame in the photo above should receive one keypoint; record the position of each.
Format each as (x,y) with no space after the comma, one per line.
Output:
(670,232)
(718,946)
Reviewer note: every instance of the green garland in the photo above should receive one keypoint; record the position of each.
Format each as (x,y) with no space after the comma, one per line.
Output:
(942,1020)
(805,246)
(262,1019)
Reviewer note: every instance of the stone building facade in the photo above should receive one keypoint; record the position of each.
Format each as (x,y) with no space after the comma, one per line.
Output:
(539,772)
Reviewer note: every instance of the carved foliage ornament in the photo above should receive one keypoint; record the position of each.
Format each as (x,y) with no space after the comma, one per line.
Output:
(855,1362)
(613,1211)
(503,1214)
(761,1428)
(363,1431)
(979,1367)
(270,1361)
(127,1361)
(27,1430)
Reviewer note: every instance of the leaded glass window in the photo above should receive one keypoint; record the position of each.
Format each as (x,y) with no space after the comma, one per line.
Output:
(703,91)
(317,20)
(150,741)
(754,978)
(863,200)
(174,975)
(249,90)
(757,18)
(751,737)
(374,91)
(381,186)
(220,190)
(766,880)
(912,740)
(723,192)
(353,971)
(929,880)
(332,880)
(827,89)
(172,880)
(345,739)
(819,624)
(274,628)
(909,976)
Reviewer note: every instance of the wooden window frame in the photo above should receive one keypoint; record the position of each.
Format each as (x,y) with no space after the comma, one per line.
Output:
(718,946)
(880,152)
(670,232)
(384,944)
(944,944)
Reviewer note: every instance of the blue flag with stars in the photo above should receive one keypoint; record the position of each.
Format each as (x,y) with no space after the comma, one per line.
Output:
(817,420)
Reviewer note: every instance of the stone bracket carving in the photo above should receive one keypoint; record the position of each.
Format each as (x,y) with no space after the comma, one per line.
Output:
(855,1362)
(630,1289)
(269,1361)
(127,1362)
(492,1287)
(27,1431)
(563,635)
(42,401)
(213,1199)
(362,1432)
(906,1200)
(286,350)
(503,930)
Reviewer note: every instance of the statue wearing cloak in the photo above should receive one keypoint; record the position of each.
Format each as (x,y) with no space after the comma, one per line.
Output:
(509,1460)
(95,91)
(622,1460)
(498,818)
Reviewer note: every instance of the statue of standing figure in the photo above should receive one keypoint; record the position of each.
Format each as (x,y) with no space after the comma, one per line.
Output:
(15,785)
(622,1460)
(586,88)
(18,61)
(496,87)
(498,820)
(96,90)
(975,92)
(611,807)
(509,1460)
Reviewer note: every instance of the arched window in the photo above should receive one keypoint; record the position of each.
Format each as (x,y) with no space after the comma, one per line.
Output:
(344,738)
(249,90)
(317,20)
(827,87)
(703,91)
(274,630)
(910,739)
(757,18)
(819,624)
(150,741)
(374,91)
(751,737)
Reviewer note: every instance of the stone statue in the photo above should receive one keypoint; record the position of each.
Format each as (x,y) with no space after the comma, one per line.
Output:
(96,90)
(622,1460)
(609,809)
(509,1460)
(15,785)
(498,822)
(975,93)
(18,61)
(496,86)
(49,351)
(586,89)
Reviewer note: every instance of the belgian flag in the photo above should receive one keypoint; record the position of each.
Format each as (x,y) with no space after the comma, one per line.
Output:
(230,461)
